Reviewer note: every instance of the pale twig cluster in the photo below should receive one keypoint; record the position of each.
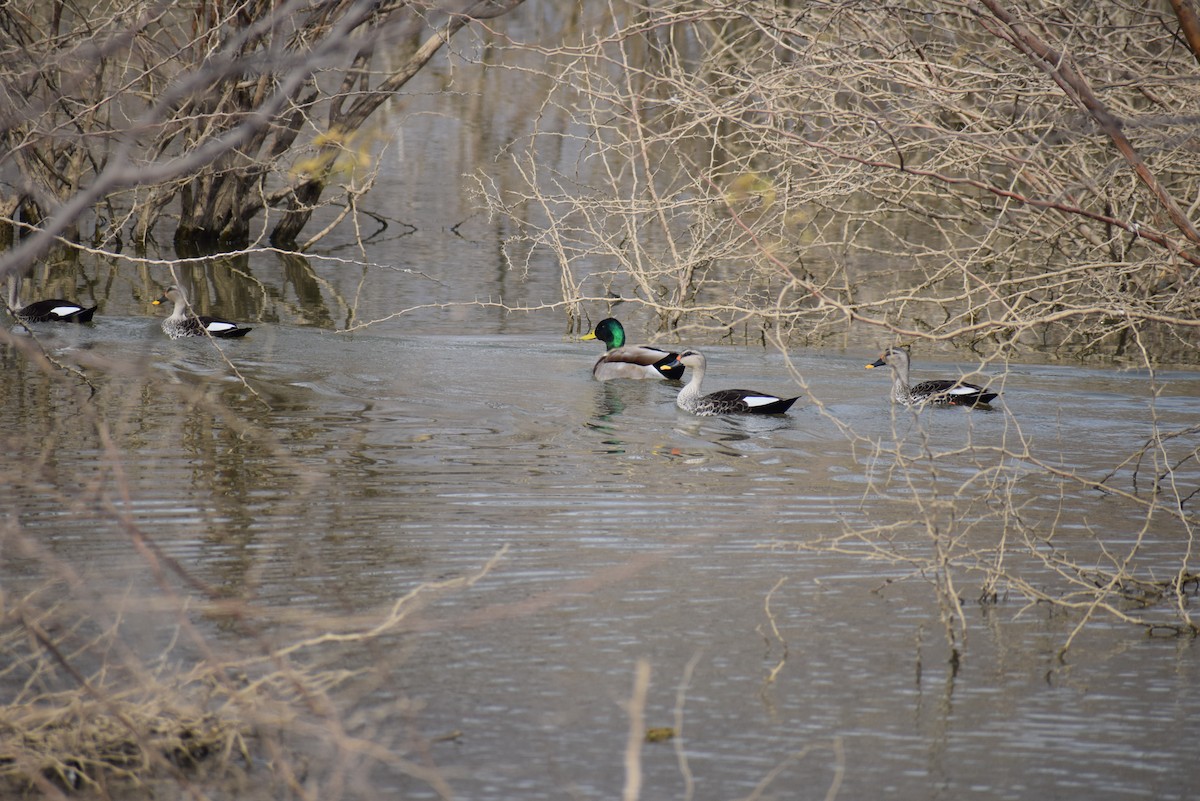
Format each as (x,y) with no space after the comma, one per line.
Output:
(915,171)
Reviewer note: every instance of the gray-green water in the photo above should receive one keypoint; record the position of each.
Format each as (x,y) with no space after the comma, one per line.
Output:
(633,532)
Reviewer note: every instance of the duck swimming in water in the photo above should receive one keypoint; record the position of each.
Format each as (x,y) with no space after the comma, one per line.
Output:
(181,324)
(723,401)
(51,310)
(629,361)
(938,392)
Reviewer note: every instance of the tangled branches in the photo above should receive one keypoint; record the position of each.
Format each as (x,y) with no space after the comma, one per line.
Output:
(231,111)
(1010,182)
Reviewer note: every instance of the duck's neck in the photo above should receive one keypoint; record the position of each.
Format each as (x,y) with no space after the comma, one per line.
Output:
(180,311)
(691,391)
(14,301)
(900,388)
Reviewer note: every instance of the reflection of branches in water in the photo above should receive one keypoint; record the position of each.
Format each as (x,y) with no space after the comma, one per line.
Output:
(978,513)
(125,720)
(635,709)
(1166,474)
(775,634)
(112,688)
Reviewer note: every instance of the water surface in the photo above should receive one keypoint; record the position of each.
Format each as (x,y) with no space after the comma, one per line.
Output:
(369,464)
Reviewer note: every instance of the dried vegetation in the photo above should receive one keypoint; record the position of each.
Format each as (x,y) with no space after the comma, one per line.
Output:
(1012,181)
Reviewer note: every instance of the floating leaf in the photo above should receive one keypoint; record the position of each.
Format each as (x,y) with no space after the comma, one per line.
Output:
(659,734)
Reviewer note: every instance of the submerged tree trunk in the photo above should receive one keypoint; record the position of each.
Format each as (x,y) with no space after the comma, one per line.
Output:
(301,202)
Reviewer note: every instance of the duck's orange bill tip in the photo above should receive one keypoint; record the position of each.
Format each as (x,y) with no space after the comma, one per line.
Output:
(869,366)
(156,302)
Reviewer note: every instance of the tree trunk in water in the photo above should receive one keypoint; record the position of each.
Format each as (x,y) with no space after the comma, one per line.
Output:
(301,203)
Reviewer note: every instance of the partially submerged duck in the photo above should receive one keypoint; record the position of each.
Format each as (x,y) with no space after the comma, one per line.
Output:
(938,392)
(181,324)
(723,401)
(629,361)
(51,310)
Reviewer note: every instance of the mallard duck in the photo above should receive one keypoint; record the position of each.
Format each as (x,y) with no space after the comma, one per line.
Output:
(181,324)
(723,401)
(629,361)
(939,392)
(52,310)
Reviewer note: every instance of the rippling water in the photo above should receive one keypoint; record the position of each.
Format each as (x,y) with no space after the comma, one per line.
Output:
(367,465)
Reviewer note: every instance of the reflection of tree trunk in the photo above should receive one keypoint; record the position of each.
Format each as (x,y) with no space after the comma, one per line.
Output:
(312,306)
(302,200)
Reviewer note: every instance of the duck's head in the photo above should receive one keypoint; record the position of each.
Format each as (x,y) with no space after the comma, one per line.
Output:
(172,294)
(893,356)
(608,331)
(688,358)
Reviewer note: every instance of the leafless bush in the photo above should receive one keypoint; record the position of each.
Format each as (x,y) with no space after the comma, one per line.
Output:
(949,172)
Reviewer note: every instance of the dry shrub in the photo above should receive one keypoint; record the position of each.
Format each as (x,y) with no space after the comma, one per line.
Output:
(826,168)
(123,721)
(101,738)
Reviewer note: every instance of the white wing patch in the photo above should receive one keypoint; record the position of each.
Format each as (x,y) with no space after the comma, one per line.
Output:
(64,311)
(215,326)
(759,400)
(961,390)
